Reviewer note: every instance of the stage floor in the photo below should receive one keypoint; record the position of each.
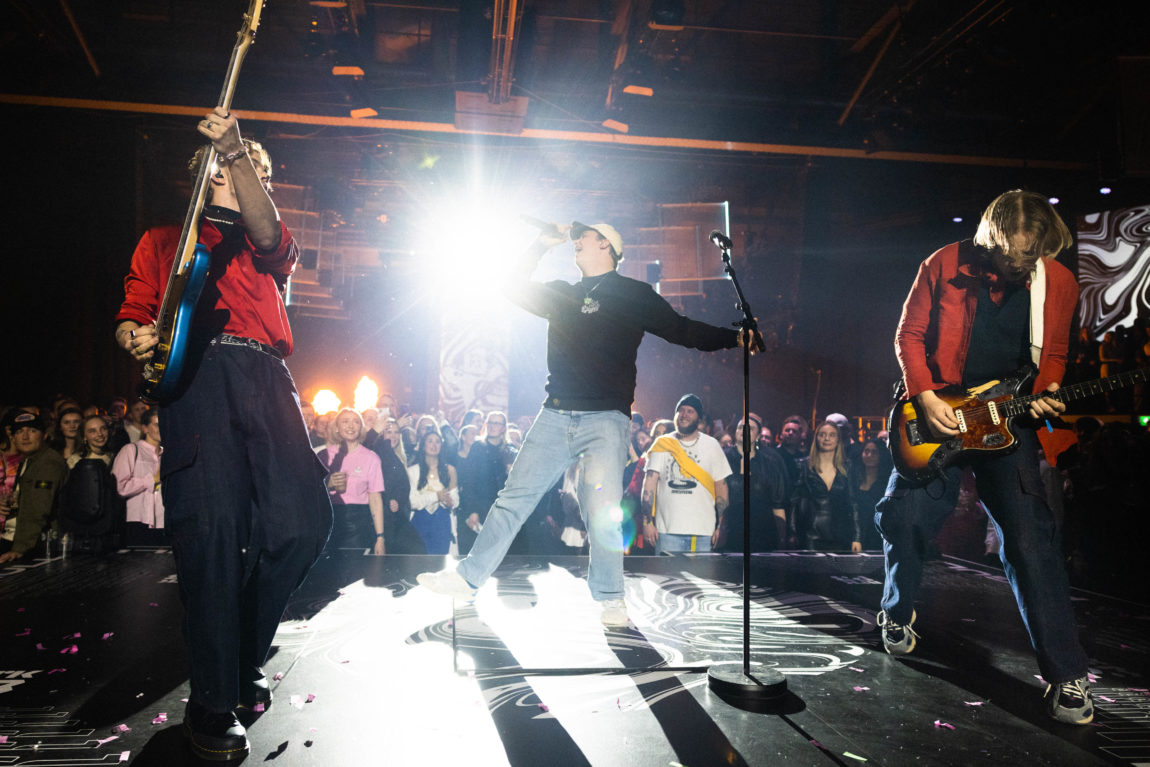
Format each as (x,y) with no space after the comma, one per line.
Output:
(371,669)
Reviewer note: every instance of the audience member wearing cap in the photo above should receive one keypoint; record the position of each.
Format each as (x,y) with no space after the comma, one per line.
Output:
(594,330)
(27,512)
(684,490)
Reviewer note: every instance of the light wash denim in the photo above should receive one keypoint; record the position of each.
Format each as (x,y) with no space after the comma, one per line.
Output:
(674,543)
(558,438)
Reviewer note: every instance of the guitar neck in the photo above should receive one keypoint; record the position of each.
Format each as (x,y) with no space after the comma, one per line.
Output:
(189,235)
(1020,405)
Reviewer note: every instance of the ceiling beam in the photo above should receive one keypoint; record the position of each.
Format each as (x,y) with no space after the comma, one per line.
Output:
(613,139)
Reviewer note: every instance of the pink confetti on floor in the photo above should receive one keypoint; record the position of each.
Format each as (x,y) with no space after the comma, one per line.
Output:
(24,633)
(973,702)
(311,697)
(109,739)
(57,671)
(108,635)
(153,604)
(160,718)
(3,738)
(860,689)
(855,668)
(259,708)
(968,620)
(70,650)
(279,675)
(815,743)
(121,728)
(940,723)
(124,755)
(1093,678)
(544,707)
(1108,700)
(40,646)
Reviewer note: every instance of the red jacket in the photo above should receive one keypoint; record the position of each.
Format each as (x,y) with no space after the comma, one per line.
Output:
(245,281)
(934,331)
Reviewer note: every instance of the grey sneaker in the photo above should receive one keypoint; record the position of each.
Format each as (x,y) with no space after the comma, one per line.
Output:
(1070,702)
(897,639)
(448,583)
(614,613)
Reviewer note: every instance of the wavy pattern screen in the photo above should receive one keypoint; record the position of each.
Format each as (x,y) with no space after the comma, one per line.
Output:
(1114,268)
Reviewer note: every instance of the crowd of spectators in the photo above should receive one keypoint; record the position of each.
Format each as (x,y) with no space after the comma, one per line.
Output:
(82,479)
(79,479)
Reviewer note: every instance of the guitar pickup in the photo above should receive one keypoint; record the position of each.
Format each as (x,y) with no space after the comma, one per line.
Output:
(961,420)
(995,418)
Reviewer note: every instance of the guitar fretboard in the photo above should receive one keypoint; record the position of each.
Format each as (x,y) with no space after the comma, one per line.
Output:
(1020,405)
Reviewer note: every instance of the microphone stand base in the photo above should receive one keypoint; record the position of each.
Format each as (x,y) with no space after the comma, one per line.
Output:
(761,683)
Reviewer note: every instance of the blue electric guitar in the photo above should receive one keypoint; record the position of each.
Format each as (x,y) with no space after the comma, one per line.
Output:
(163,372)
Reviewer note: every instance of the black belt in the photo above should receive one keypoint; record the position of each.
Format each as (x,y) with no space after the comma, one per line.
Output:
(251,343)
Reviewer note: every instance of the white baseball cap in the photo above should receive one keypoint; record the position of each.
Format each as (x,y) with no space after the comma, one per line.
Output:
(606,230)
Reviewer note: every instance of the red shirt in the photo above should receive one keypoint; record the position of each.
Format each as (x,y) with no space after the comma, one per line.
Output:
(244,280)
(934,332)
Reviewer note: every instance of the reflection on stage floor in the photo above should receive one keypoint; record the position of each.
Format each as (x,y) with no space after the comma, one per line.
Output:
(368,667)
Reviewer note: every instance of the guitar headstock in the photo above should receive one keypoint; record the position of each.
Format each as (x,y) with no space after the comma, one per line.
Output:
(247,34)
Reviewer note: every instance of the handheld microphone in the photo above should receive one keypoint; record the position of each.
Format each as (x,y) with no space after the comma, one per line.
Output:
(720,239)
(544,227)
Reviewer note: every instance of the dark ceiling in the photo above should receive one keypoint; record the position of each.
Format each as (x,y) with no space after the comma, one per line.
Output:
(1035,80)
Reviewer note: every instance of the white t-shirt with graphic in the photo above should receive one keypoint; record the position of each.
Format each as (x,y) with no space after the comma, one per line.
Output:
(682,505)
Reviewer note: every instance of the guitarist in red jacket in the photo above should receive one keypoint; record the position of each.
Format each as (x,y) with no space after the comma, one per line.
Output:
(978,311)
(247,509)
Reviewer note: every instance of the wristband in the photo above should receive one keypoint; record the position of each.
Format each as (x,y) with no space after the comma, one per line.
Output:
(231,157)
(379,535)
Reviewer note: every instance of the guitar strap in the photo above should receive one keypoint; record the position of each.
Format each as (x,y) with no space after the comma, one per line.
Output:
(1037,302)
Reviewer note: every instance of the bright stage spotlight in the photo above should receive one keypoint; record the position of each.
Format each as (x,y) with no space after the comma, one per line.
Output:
(366,394)
(325,401)
(470,249)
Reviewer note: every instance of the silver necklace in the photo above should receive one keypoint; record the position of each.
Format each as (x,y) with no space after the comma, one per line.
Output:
(590,305)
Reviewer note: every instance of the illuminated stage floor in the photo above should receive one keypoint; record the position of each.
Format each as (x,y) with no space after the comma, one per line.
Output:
(540,683)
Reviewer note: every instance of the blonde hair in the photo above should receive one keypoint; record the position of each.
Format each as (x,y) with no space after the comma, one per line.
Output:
(840,457)
(1019,212)
(255,150)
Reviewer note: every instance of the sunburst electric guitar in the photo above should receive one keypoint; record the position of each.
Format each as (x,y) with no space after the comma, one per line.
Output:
(190,267)
(985,416)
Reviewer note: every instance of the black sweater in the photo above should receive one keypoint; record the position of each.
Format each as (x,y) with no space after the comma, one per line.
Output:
(594,330)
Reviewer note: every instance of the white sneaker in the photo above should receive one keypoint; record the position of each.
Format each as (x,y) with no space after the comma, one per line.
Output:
(614,613)
(448,583)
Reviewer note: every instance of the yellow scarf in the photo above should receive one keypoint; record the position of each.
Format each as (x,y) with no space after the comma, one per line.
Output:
(668,444)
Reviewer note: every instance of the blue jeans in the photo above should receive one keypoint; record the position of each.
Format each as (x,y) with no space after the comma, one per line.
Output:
(674,543)
(909,517)
(557,439)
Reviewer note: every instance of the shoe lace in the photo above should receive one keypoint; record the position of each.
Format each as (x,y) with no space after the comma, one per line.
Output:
(1074,689)
(884,622)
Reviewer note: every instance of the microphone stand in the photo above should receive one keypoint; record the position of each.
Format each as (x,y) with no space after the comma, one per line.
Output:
(745,682)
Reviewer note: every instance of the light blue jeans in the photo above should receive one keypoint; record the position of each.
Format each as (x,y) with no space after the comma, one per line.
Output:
(558,438)
(670,543)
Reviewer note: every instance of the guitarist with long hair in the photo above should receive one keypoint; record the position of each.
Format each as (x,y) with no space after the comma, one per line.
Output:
(244,494)
(979,311)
